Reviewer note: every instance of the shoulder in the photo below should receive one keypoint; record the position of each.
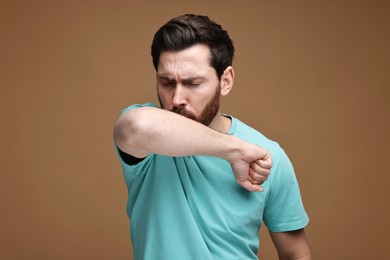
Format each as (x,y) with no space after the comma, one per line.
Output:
(281,164)
(251,135)
(134,106)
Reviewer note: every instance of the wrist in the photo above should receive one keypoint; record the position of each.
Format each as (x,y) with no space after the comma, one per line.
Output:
(233,149)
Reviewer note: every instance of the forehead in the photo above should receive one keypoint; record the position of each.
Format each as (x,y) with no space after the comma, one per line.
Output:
(193,60)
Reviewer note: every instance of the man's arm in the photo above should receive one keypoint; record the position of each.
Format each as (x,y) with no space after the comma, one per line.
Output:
(146,130)
(291,245)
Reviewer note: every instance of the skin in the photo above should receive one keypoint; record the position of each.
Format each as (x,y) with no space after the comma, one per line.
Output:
(191,124)
(291,245)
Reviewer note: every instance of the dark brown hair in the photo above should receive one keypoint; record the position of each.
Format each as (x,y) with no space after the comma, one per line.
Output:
(187,30)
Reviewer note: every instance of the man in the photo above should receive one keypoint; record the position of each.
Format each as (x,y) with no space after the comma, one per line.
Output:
(194,174)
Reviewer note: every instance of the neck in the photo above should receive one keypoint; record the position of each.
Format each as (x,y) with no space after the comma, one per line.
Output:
(220,123)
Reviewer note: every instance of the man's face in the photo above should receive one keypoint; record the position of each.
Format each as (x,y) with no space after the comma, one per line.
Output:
(188,85)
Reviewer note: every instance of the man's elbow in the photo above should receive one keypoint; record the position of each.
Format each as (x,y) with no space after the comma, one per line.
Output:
(130,127)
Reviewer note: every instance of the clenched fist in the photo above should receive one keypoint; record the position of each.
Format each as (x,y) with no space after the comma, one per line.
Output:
(252,167)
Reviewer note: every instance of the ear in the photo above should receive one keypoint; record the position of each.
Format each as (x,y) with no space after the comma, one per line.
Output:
(227,81)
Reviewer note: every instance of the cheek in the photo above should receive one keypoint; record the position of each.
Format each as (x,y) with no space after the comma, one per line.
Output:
(163,95)
(205,96)
(164,101)
(199,102)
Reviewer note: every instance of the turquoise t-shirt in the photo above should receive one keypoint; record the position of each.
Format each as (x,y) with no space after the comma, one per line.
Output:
(192,208)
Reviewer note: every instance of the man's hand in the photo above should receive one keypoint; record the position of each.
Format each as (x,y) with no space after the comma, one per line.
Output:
(252,167)
(260,170)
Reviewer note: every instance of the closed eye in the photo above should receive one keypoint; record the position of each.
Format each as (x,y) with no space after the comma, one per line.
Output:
(192,84)
(168,84)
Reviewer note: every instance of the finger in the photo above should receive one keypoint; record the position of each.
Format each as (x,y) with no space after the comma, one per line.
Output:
(265,159)
(258,169)
(257,178)
(255,181)
(250,186)
(266,155)
(265,163)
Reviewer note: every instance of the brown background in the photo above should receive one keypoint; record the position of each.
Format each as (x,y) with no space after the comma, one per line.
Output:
(312,75)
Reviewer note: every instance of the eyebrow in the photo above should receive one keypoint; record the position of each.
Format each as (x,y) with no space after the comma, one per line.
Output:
(162,77)
(185,80)
(191,79)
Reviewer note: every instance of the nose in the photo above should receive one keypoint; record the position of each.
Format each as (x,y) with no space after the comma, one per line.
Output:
(179,96)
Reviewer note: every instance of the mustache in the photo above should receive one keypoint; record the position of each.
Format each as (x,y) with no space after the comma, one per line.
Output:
(184,112)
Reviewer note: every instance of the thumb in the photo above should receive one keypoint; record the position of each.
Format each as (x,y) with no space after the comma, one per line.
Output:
(250,186)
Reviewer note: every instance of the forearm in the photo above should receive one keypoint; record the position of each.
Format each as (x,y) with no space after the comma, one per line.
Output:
(291,245)
(299,257)
(153,130)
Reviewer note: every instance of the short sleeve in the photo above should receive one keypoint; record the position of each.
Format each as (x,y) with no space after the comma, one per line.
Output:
(136,169)
(284,210)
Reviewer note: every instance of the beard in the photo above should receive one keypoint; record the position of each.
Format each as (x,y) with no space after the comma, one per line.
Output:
(208,113)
